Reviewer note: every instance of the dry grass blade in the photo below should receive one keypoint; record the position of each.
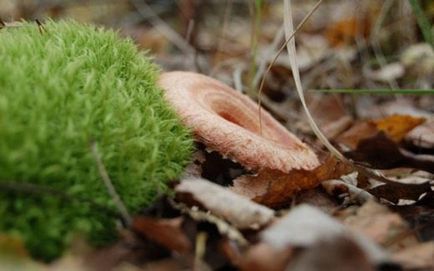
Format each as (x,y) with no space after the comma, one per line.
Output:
(289,33)
(288,39)
(109,185)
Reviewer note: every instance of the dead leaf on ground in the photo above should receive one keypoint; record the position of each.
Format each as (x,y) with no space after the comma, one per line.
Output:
(394,191)
(347,187)
(339,253)
(396,127)
(356,133)
(238,210)
(381,225)
(381,152)
(165,232)
(305,226)
(274,188)
(417,257)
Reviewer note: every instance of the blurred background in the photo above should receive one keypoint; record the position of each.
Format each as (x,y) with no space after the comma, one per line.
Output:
(352,44)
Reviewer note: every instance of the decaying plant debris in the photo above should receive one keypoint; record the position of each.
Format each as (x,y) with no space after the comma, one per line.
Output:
(294,206)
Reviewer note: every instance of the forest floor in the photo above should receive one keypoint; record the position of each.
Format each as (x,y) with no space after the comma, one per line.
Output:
(367,70)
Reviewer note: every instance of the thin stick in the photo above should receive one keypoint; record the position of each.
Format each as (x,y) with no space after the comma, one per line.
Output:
(109,185)
(261,86)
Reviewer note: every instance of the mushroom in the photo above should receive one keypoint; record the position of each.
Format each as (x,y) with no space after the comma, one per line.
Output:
(227,121)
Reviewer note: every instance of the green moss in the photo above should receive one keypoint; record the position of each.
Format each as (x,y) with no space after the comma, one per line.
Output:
(61,89)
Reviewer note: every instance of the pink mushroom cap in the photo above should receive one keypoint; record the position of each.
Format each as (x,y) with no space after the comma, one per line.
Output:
(227,121)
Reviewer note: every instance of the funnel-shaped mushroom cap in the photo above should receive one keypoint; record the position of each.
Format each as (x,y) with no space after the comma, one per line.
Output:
(228,122)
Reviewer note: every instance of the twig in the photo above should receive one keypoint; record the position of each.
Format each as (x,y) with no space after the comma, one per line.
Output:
(109,185)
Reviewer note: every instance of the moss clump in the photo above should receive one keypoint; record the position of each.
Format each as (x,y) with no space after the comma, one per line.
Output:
(61,88)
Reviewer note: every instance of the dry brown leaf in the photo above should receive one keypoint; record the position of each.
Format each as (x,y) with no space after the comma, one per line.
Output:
(394,191)
(417,257)
(356,133)
(165,232)
(397,126)
(274,188)
(238,210)
(380,224)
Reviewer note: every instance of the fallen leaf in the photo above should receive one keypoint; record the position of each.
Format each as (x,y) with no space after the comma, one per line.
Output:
(305,226)
(394,191)
(381,152)
(238,210)
(339,253)
(358,132)
(165,232)
(381,225)
(274,188)
(348,188)
(396,127)
(417,257)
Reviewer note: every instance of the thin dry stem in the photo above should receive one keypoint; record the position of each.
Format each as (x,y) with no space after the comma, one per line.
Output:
(109,185)
(288,39)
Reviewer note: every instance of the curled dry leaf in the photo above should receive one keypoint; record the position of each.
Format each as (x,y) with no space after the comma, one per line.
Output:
(381,225)
(274,188)
(348,189)
(228,122)
(238,210)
